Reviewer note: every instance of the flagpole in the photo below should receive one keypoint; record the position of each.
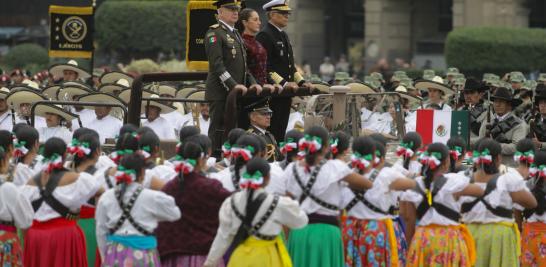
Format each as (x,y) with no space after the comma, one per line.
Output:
(93,5)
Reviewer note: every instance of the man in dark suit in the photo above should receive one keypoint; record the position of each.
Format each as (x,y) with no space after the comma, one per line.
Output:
(227,66)
(280,62)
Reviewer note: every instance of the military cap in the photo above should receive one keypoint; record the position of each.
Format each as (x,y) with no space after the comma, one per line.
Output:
(529,85)
(516,77)
(398,75)
(378,76)
(452,71)
(277,5)
(231,4)
(542,77)
(315,79)
(261,106)
(342,77)
(429,74)
(407,83)
(372,82)
(490,77)
(459,81)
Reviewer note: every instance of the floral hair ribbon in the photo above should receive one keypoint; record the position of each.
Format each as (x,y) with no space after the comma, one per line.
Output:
(288,146)
(244,152)
(360,161)
(78,149)
(116,155)
(432,160)
(54,162)
(377,159)
(404,149)
(483,158)
(533,170)
(252,181)
(126,176)
(184,166)
(309,144)
(455,152)
(178,147)
(541,171)
(19,148)
(524,157)
(333,146)
(226,149)
(146,151)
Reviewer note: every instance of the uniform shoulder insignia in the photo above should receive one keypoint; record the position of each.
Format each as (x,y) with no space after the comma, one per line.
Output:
(250,130)
(214,26)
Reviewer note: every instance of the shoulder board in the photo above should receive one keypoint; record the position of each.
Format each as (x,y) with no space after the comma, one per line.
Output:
(214,26)
(250,130)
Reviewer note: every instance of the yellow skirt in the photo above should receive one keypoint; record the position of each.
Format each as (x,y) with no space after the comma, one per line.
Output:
(255,252)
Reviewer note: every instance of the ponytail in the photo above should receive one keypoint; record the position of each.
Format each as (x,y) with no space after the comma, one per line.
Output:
(487,155)
(314,141)
(408,147)
(435,155)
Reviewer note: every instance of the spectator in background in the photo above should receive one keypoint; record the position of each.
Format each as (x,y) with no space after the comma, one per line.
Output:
(306,68)
(327,70)
(342,65)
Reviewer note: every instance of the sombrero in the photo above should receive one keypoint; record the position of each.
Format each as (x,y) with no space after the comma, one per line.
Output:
(163,107)
(57,69)
(166,90)
(361,88)
(71,89)
(51,91)
(42,109)
(114,76)
(119,85)
(4,92)
(322,87)
(125,95)
(403,92)
(23,94)
(436,83)
(102,98)
(184,92)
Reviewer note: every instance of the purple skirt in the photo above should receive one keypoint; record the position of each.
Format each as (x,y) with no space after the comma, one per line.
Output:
(120,255)
(187,261)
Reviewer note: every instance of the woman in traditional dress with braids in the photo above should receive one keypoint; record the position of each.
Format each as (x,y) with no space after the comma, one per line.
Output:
(128,214)
(370,236)
(186,242)
(25,153)
(440,239)
(15,210)
(251,221)
(317,184)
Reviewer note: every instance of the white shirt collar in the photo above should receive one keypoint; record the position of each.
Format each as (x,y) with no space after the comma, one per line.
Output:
(227,25)
(259,129)
(501,118)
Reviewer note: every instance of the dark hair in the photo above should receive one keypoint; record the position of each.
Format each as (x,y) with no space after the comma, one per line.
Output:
(454,144)
(243,142)
(144,129)
(427,171)
(234,135)
(320,132)
(188,131)
(540,159)
(54,145)
(127,128)
(201,140)
(17,126)
(343,142)
(379,149)
(6,143)
(379,138)
(27,134)
(364,145)
(494,150)
(148,141)
(127,141)
(243,15)
(523,146)
(82,131)
(93,143)
(134,161)
(411,138)
(292,136)
(190,150)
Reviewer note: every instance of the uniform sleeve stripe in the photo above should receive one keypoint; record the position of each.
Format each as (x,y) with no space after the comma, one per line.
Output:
(225,76)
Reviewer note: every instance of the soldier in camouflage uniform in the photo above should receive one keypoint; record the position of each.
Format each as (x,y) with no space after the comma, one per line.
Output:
(227,66)
(525,110)
(473,92)
(538,123)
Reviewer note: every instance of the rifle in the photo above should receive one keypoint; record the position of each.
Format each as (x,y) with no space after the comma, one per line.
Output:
(488,125)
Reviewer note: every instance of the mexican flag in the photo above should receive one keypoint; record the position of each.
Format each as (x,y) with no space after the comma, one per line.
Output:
(438,125)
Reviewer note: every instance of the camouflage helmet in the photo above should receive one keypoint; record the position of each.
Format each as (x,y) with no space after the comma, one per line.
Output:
(517,77)
(452,71)
(428,74)
(378,76)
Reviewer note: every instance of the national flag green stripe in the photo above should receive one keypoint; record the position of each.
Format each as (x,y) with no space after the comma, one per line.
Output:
(459,124)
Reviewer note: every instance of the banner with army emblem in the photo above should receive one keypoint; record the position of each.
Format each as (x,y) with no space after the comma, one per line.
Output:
(71,32)
(199,16)
(438,125)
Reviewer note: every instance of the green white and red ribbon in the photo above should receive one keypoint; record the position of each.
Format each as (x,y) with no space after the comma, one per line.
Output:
(432,160)
(377,159)
(125,176)
(54,162)
(309,144)
(178,147)
(360,161)
(118,154)
(455,152)
(333,146)
(19,148)
(78,149)
(145,151)
(404,149)
(533,170)
(252,181)
(524,157)
(483,158)
(288,146)
(541,171)
(244,152)
(185,166)
(226,150)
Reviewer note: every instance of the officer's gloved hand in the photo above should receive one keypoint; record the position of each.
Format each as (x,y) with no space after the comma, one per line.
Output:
(241,88)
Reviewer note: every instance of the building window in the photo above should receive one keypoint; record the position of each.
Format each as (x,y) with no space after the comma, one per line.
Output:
(445,15)
(537,16)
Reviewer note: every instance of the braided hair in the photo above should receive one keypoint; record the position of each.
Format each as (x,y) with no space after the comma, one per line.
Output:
(131,162)
(436,155)
(315,134)
(363,151)
(339,143)
(249,143)
(457,150)
(489,151)
(413,139)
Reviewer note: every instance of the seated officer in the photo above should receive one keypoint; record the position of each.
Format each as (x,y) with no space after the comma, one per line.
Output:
(505,127)
(260,119)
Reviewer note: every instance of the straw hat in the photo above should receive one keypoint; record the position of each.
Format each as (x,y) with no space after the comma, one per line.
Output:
(51,91)
(21,95)
(57,69)
(114,76)
(119,85)
(163,107)
(403,92)
(4,92)
(42,109)
(322,87)
(184,92)
(361,88)
(436,83)
(69,90)
(125,95)
(102,98)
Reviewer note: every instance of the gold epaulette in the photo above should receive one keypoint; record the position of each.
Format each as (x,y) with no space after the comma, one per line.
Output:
(276,77)
(214,26)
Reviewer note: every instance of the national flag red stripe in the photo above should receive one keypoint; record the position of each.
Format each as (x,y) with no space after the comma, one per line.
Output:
(425,122)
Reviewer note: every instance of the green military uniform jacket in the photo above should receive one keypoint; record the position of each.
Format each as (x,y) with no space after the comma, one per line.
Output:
(272,149)
(509,131)
(227,62)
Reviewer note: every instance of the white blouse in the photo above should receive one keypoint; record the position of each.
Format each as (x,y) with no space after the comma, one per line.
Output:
(163,128)
(287,212)
(163,172)
(500,197)
(380,195)
(224,176)
(14,206)
(277,180)
(455,183)
(24,172)
(150,208)
(413,169)
(73,196)
(59,132)
(327,187)
(107,127)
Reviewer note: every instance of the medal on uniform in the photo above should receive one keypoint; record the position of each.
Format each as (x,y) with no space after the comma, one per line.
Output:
(234,52)
(282,52)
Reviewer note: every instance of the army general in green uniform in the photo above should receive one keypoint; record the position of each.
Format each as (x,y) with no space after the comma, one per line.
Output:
(260,120)
(227,66)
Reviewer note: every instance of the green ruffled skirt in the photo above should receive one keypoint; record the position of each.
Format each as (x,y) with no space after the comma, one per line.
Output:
(316,245)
